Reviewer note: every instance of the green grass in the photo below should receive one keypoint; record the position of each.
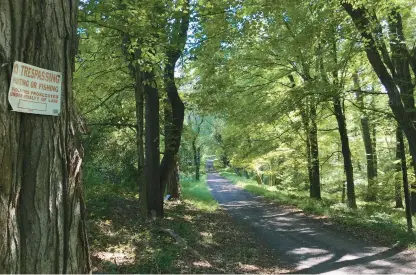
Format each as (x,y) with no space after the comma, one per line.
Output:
(198,194)
(372,221)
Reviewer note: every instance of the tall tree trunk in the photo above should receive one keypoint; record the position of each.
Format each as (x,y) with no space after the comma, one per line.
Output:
(313,137)
(138,76)
(402,153)
(175,126)
(403,77)
(172,184)
(400,111)
(374,143)
(152,160)
(42,211)
(399,164)
(413,191)
(368,145)
(371,169)
(306,127)
(197,150)
(197,160)
(198,153)
(174,134)
(139,96)
(173,188)
(308,116)
(342,128)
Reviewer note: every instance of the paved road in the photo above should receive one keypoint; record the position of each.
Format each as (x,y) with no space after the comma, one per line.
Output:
(308,245)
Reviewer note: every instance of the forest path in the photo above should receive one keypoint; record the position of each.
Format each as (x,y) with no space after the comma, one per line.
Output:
(306,244)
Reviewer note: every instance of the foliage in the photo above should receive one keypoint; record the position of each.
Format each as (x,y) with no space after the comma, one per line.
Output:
(255,78)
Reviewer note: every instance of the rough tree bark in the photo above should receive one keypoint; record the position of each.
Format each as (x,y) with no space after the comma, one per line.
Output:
(368,145)
(196,152)
(198,162)
(138,76)
(345,145)
(399,167)
(41,199)
(308,115)
(154,193)
(139,96)
(313,138)
(312,151)
(403,78)
(402,154)
(173,187)
(175,124)
(374,143)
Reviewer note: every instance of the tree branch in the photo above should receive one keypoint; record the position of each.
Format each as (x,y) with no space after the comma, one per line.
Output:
(106,99)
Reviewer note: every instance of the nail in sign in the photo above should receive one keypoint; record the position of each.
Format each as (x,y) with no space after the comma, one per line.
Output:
(35,90)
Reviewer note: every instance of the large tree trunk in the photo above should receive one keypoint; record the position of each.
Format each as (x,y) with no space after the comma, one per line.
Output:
(312,155)
(374,144)
(173,135)
(139,96)
(41,199)
(308,115)
(402,154)
(138,76)
(371,169)
(313,137)
(197,158)
(368,145)
(173,132)
(152,160)
(399,166)
(198,163)
(173,188)
(342,128)
(172,184)
(403,77)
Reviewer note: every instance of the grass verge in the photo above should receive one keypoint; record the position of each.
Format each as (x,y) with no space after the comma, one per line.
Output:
(197,194)
(372,222)
(121,242)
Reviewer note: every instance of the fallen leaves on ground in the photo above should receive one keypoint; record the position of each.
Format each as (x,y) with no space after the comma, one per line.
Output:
(121,242)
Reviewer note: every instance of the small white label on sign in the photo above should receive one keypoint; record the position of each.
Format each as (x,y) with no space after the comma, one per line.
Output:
(35,90)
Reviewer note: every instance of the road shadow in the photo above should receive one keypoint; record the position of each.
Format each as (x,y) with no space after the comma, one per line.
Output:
(303,243)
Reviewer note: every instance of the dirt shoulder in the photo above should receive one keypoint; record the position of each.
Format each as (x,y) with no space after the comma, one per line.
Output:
(187,241)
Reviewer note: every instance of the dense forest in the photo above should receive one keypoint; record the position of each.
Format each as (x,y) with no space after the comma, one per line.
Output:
(307,104)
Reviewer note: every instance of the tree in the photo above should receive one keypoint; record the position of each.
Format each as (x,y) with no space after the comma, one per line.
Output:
(152,36)
(400,167)
(346,152)
(368,143)
(196,148)
(397,82)
(41,199)
(176,44)
(154,192)
(401,152)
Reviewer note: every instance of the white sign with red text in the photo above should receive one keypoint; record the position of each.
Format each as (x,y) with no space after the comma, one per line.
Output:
(35,90)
